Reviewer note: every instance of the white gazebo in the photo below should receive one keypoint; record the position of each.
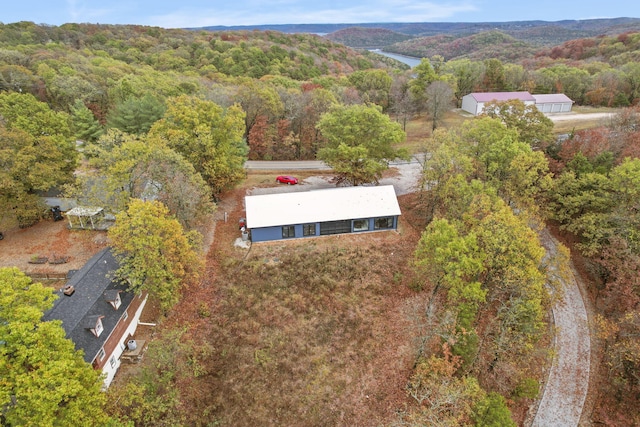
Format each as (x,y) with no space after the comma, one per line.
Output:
(85,217)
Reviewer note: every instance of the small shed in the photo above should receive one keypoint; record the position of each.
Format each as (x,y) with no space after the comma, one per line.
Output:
(474,102)
(86,217)
(553,103)
(321,212)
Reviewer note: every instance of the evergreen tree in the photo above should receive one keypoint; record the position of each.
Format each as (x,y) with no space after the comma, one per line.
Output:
(85,125)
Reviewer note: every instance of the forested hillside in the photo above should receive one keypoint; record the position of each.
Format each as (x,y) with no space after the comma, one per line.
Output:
(478,47)
(358,37)
(615,49)
(89,62)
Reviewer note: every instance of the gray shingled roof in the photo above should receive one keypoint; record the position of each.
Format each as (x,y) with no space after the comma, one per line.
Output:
(90,283)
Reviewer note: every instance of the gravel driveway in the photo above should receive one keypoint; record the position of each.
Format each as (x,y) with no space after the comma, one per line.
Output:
(566,388)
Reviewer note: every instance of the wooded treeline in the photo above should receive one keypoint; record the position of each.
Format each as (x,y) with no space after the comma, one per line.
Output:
(596,199)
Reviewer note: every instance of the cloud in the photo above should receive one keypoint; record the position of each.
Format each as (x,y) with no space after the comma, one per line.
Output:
(303,12)
(79,11)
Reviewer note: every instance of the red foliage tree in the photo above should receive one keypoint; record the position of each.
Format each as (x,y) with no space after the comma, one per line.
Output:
(258,139)
(591,143)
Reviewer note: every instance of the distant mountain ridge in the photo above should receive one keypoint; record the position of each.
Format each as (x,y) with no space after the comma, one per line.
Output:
(573,28)
(507,41)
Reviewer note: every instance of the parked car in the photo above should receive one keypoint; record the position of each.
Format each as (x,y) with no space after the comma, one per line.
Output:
(287,179)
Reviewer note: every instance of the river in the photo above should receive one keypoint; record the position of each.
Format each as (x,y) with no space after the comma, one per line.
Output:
(411,61)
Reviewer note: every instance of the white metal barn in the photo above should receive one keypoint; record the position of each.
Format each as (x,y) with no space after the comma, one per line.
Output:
(547,103)
(474,102)
(553,103)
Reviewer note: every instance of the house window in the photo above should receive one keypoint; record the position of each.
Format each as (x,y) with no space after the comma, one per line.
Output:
(383,223)
(99,328)
(309,230)
(125,315)
(288,231)
(360,225)
(335,227)
(101,354)
(112,361)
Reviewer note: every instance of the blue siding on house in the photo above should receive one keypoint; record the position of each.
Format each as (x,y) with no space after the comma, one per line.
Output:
(264,234)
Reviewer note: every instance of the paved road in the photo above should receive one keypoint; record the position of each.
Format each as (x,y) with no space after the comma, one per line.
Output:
(286,165)
(282,165)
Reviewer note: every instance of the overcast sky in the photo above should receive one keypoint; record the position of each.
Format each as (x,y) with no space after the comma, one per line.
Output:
(200,13)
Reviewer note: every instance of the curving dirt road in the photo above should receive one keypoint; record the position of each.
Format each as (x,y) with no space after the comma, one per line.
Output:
(566,388)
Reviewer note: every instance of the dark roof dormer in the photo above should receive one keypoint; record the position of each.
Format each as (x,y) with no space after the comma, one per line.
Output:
(93,324)
(112,296)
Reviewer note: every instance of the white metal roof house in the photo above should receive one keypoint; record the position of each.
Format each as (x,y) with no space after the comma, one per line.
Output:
(98,314)
(321,212)
(553,103)
(474,103)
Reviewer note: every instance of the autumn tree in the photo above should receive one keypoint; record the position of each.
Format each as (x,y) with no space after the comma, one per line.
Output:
(492,411)
(260,139)
(207,135)
(572,81)
(439,100)
(44,380)
(154,397)
(374,86)
(36,154)
(493,153)
(443,398)
(24,112)
(425,74)
(155,253)
(360,142)
(148,170)
(315,102)
(494,78)
(588,149)
(467,75)
(401,104)
(258,99)
(452,261)
(534,128)
(445,163)
(601,210)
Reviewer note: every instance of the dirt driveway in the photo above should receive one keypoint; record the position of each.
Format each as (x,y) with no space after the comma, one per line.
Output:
(564,117)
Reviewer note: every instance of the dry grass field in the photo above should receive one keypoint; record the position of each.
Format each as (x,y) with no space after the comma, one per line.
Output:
(315,332)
